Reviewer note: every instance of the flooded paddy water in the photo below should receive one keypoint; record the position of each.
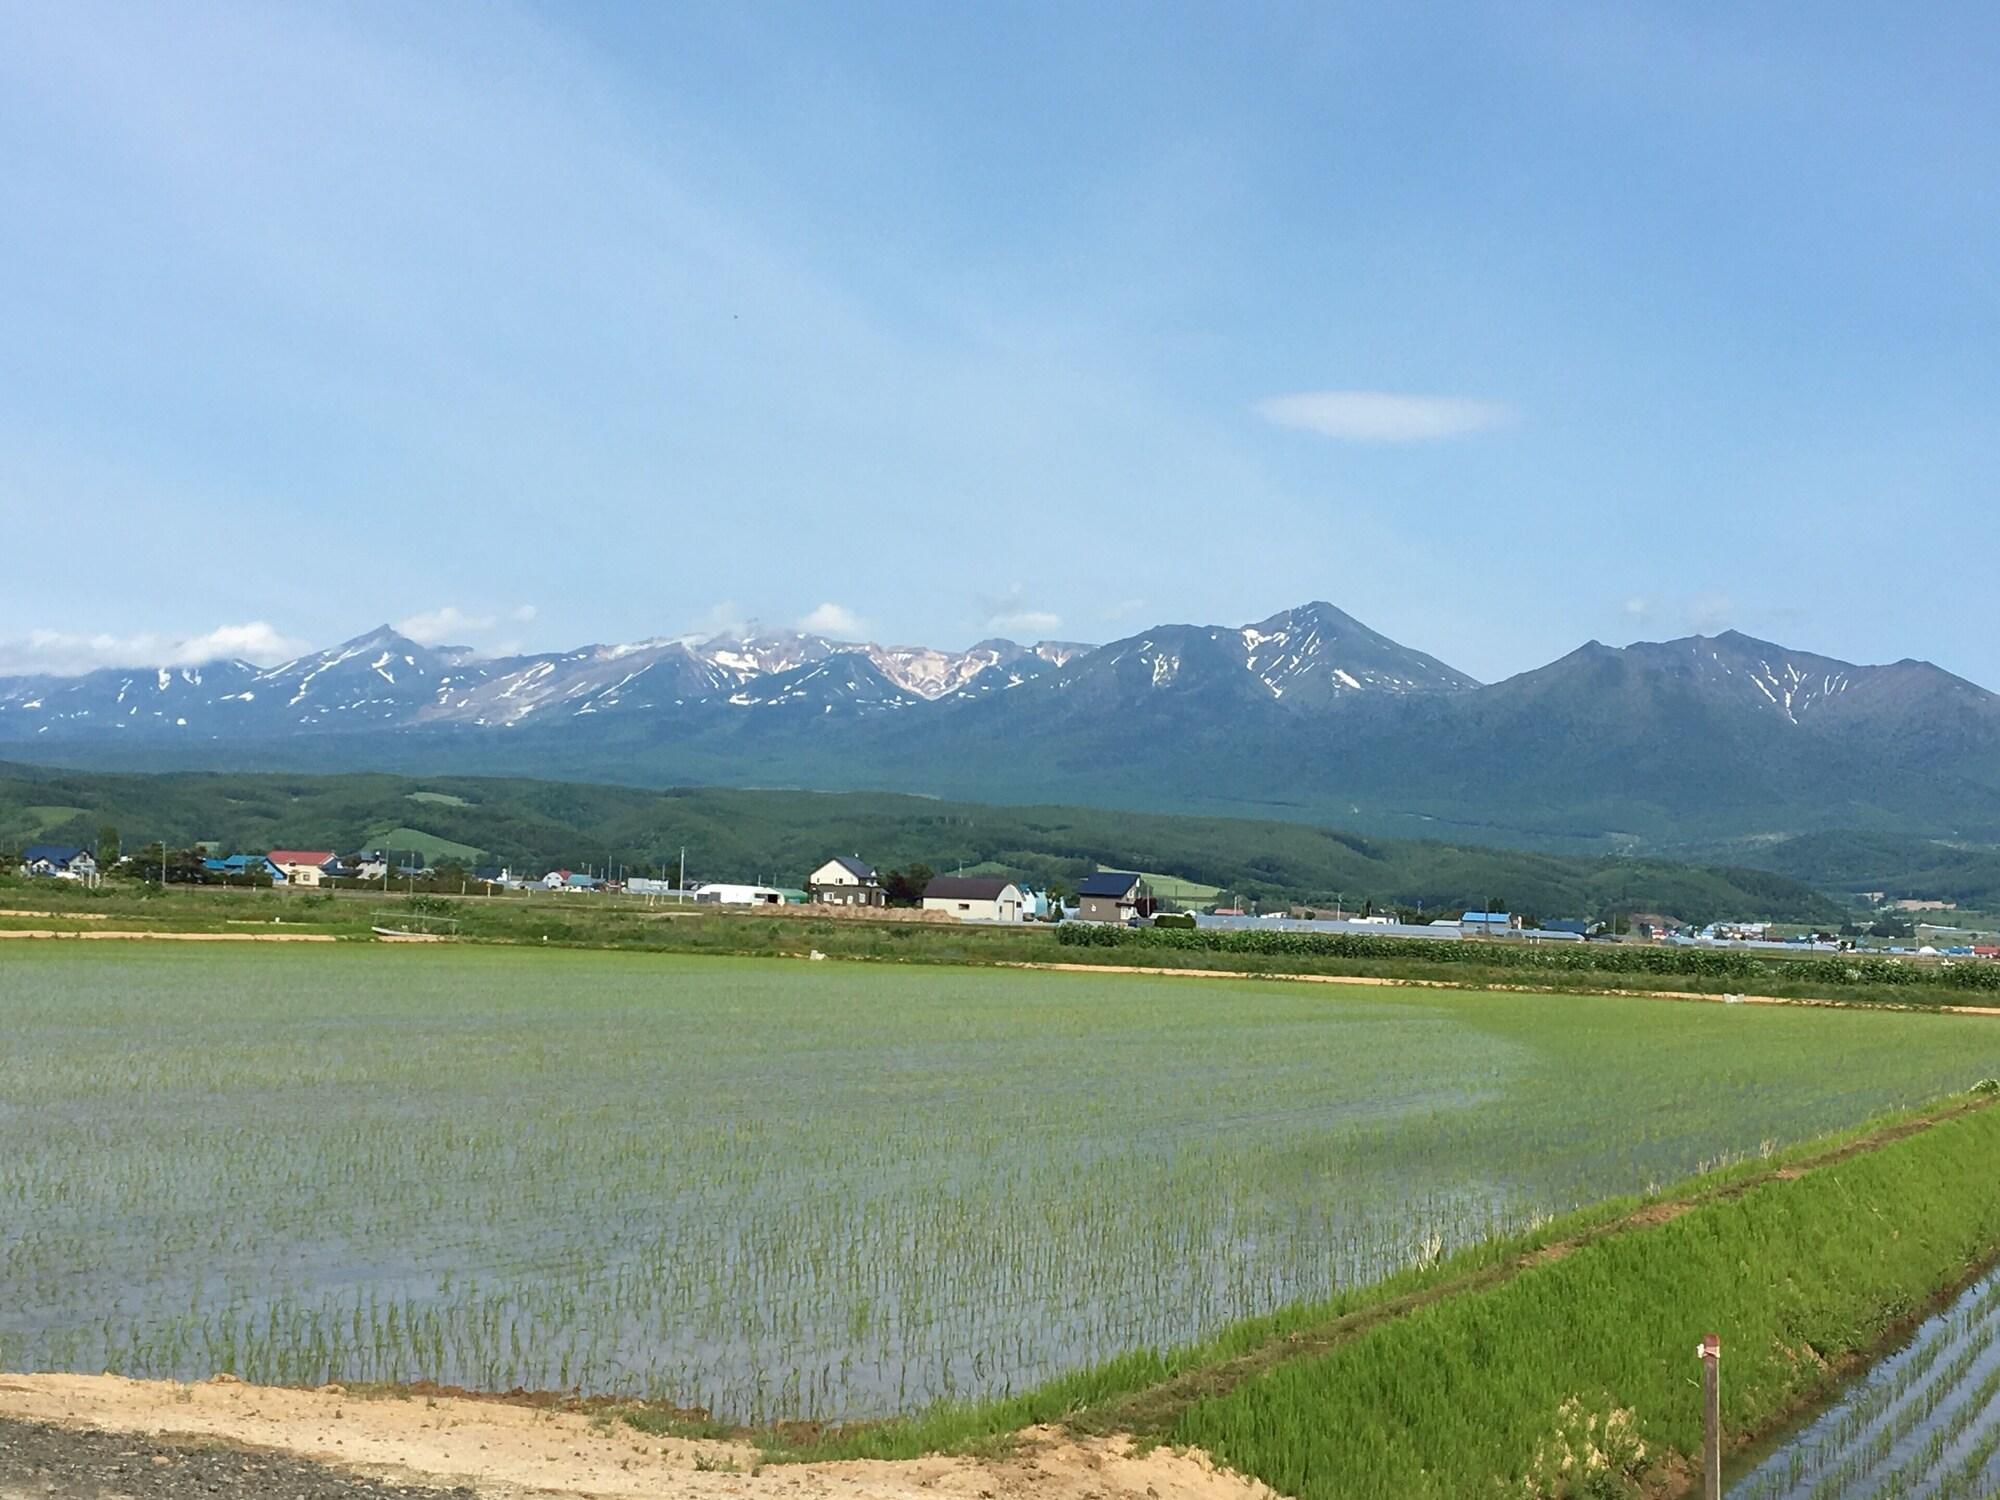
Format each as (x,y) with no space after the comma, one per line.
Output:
(834,1190)
(1922,1423)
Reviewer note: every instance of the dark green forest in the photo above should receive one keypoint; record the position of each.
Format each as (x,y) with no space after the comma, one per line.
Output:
(779,835)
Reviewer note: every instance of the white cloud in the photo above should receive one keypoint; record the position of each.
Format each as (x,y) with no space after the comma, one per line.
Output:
(448,625)
(1384,416)
(445,624)
(1711,613)
(1124,609)
(1011,614)
(257,641)
(1638,607)
(66,654)
(833,619)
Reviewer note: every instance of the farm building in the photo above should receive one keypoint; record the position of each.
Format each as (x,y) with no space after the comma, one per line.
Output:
(842,881)
(1487,923)
(976,898)
(1111,896)
(727,893)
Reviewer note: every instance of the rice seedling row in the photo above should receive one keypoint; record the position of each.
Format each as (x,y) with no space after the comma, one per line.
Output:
(775,1190)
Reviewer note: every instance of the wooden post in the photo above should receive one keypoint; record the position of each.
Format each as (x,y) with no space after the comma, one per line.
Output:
(1710,1355)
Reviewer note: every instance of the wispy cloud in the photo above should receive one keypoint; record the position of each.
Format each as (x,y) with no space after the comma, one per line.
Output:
(65,653)
(1384,416)
(1711,612)
(450,625)
(1027,622)
(833,619)
(1010,613)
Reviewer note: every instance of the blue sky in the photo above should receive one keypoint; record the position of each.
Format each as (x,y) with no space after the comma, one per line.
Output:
(1500,326)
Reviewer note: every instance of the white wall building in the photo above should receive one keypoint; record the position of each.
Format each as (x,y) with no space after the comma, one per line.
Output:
(976,898)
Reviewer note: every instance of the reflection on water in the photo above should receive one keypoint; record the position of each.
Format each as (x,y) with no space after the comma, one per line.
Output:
(1923,1423)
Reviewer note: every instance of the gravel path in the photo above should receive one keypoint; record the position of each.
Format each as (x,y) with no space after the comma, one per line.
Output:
(38,1461)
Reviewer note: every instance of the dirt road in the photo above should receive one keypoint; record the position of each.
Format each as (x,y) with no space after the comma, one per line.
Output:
(102,1436)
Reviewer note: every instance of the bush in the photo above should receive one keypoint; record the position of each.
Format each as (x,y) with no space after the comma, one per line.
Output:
(1570,958)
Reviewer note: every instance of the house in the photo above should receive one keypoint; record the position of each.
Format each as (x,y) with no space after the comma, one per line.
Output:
(62,861)
(842,881)
(237,865)
(372,865)
(975,898)
(1112,896)
(727,893)
(1487,923)
(304,868)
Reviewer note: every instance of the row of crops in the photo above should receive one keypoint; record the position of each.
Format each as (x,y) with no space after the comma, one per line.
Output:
(1563,958)
(780,1190)
(1921,1424)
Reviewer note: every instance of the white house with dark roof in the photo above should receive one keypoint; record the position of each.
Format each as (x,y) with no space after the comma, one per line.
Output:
(844,881)
(63,861)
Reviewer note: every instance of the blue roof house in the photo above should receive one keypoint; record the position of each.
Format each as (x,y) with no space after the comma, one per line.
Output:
(63,861)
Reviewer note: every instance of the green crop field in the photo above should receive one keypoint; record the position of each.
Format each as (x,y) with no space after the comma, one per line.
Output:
(433,848)
(779,1189)
(1176,888)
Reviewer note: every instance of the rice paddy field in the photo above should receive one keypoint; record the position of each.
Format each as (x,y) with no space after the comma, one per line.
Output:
(782,1190)
(1920,1423)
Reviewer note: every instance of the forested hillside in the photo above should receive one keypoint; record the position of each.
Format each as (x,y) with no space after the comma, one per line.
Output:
(780,834)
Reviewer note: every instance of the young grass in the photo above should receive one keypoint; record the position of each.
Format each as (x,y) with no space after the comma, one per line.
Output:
(821,1193)
(1798,1275)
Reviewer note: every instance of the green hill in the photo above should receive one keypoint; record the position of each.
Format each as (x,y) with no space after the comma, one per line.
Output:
(781,834)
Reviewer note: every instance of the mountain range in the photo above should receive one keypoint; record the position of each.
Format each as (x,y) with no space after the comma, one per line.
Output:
(1307,715)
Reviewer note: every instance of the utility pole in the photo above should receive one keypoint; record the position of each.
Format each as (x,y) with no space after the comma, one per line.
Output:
(681,885)
(1709,1352)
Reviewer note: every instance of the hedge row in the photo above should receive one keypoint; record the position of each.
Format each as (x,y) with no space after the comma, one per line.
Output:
(1605,958)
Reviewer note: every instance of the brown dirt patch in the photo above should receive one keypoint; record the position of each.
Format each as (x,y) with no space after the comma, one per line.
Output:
(505,1450)
(171,937)
(1388,982)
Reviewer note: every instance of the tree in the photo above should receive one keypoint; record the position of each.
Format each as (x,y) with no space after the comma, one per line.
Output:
(107,846)
(906,887)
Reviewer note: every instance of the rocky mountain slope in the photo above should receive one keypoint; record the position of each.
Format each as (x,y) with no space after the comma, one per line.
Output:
(1307,714)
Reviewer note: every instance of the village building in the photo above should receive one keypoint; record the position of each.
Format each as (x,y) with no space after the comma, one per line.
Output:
(234,866)
(59,861)
(730,893)
(976,898)
(1111,896)
(305,868)
(842,881)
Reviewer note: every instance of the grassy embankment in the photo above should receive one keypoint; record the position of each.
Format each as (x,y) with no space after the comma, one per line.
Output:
(1461,1378)
(590,921)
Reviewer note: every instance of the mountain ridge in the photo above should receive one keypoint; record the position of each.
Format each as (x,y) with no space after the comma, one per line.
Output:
(1305,714)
